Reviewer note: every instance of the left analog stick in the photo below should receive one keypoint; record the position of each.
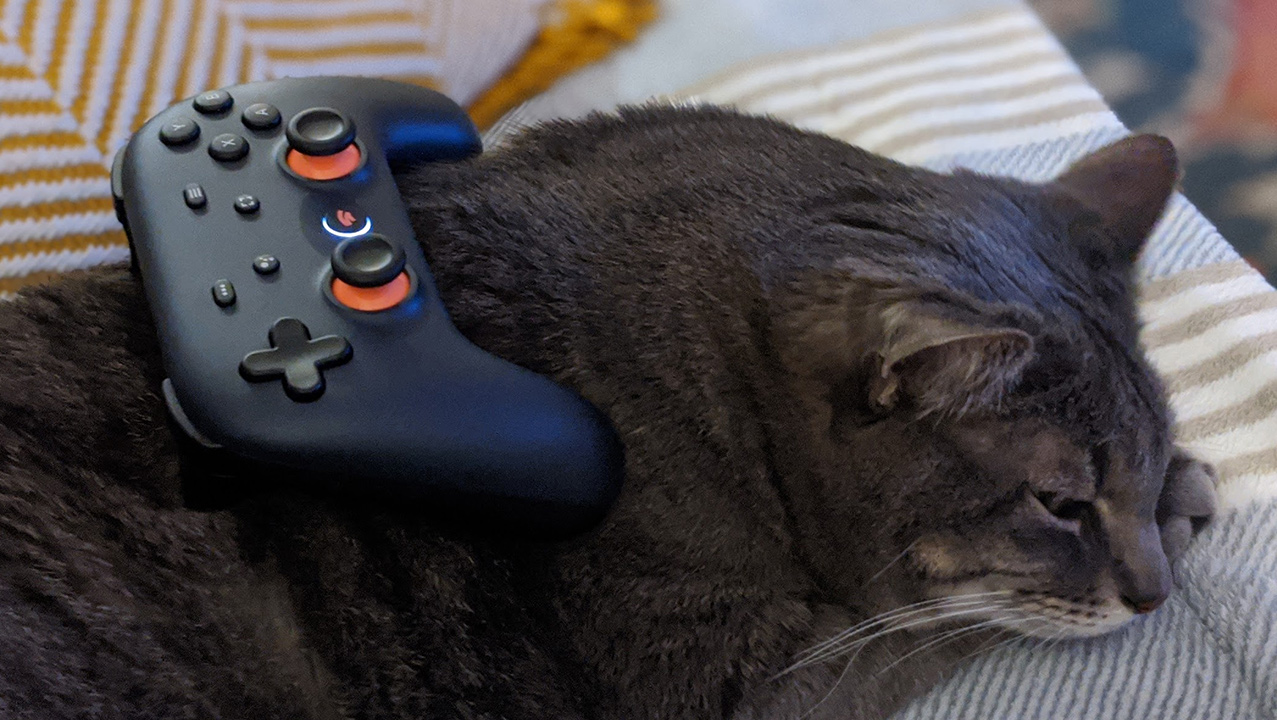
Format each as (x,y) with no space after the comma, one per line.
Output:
(320,131)
(322,145)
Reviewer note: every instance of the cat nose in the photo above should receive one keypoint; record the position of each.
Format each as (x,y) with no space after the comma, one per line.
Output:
(1140,568)
(1144,605)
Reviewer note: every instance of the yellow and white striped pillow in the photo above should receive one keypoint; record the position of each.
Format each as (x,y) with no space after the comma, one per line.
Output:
(78,76)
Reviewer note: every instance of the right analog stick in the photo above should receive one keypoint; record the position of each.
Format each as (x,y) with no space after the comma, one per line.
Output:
(367,261)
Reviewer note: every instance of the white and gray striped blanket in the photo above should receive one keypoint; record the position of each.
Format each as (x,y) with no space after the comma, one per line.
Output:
(993,91)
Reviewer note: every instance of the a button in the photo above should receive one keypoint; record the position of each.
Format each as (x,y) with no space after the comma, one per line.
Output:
(179,131)
(373,299)
(223,293)
(265,264)
(228,147)
(247,205)
(194,196)
(212,101)
(367,261)
(320,131)
(325,167)
(346,222)
(261,116)
(295,358)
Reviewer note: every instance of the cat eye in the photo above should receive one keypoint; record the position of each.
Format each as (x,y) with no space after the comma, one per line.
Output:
(1063,507)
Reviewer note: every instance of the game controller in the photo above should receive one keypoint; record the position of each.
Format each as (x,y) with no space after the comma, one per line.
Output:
(300,329)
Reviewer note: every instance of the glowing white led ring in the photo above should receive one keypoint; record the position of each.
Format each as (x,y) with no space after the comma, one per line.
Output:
(367,228)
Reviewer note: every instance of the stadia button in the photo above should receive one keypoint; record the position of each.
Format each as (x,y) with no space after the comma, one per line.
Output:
(347,221)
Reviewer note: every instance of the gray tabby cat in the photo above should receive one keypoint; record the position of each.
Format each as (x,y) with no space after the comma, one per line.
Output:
(863,405)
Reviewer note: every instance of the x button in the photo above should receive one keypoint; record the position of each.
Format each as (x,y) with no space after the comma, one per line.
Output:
(228,147)
(295,358)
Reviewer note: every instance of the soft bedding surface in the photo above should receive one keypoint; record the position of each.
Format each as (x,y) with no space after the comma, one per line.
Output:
(992,90)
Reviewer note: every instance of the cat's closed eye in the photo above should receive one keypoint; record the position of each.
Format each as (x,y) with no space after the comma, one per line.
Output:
(1062,507)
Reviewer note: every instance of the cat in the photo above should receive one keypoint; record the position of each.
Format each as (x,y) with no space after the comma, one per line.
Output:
(862,403)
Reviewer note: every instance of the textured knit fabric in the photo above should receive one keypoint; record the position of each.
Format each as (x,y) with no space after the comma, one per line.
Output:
(78,76)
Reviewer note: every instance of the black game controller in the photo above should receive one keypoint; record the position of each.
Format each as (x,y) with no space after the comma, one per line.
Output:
(299,325)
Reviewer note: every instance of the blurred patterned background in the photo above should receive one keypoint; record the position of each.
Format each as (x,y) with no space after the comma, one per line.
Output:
(1203,73)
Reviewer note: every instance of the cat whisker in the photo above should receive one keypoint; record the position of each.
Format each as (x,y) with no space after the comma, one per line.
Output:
(944,638)
(906,609)
(830,647)
(894,560)
(947,613)
(877,619)
(859,646)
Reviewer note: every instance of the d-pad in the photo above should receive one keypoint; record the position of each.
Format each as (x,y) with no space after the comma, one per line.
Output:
(296,358)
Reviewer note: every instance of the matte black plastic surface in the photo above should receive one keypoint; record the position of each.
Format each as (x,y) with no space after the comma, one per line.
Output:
(417,412)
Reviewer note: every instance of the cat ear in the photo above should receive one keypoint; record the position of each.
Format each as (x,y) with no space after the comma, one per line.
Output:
(1127,184)
(944,363)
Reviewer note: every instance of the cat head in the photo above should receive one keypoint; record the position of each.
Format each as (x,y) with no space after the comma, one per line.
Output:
(980,410)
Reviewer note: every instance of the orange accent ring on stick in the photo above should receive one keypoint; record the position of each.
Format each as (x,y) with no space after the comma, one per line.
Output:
(325,167)
(373,299)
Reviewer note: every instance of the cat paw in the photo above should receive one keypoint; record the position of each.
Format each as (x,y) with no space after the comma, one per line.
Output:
(1187,504)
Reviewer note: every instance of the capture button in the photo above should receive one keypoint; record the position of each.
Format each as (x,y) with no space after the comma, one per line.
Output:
(247,204)
(179,131)
(212,101)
